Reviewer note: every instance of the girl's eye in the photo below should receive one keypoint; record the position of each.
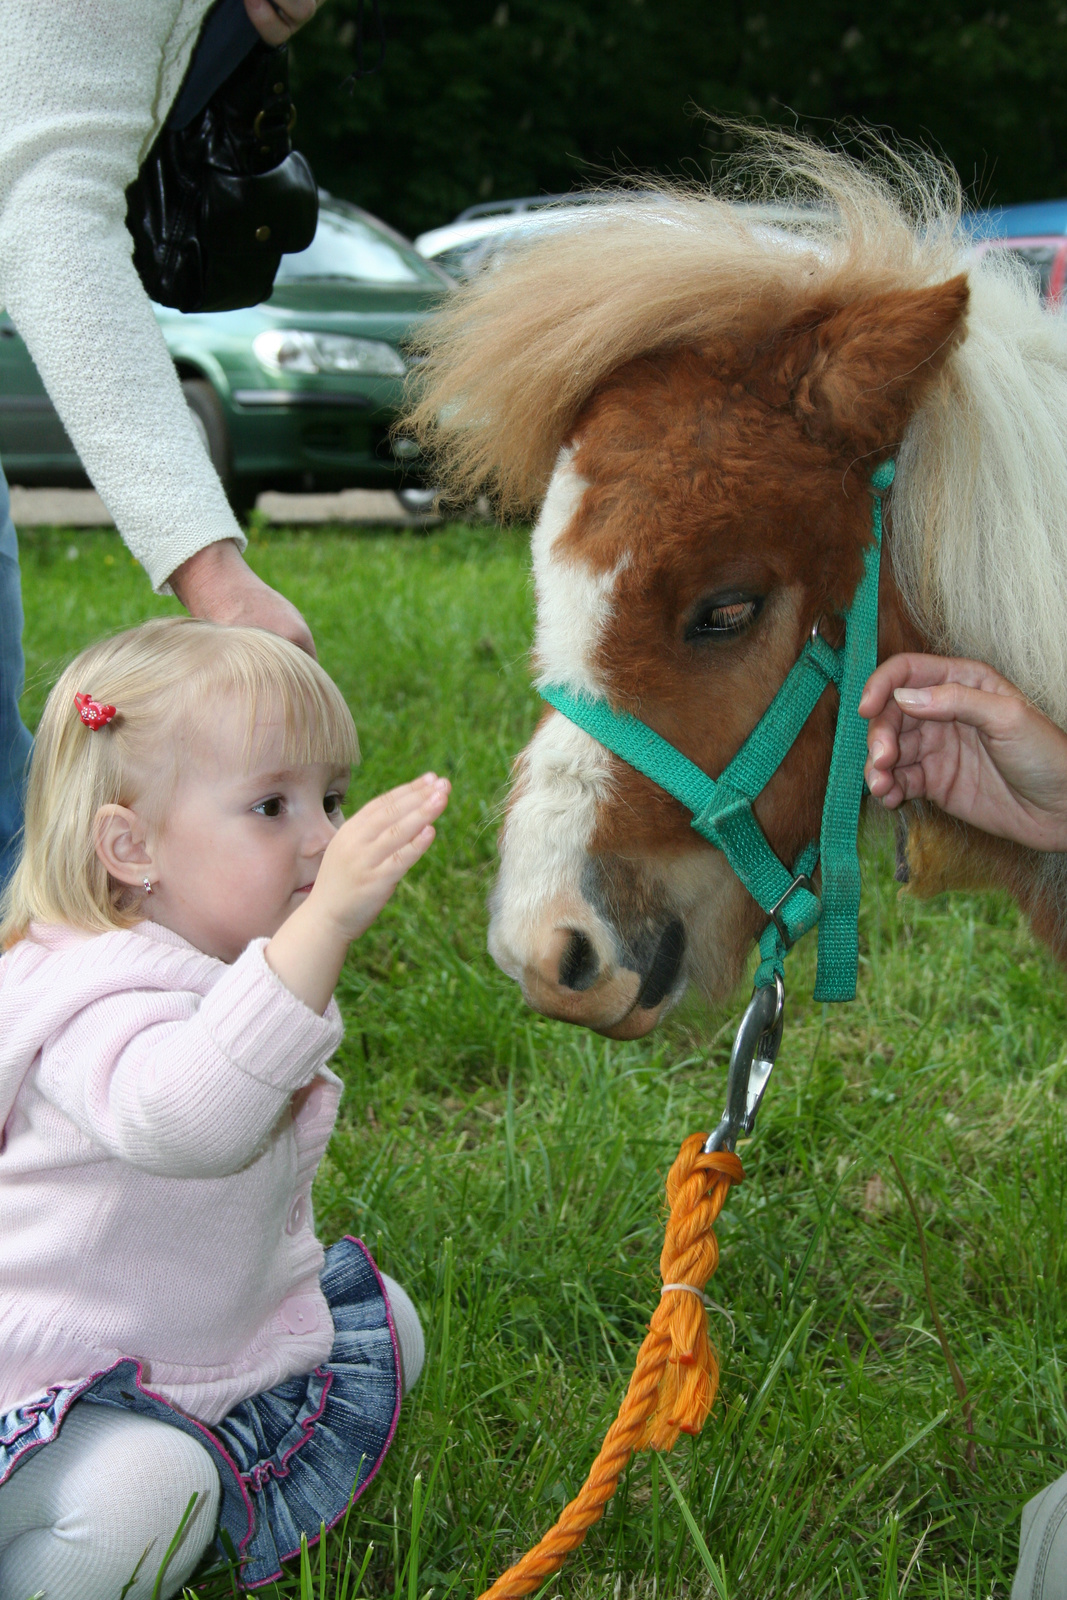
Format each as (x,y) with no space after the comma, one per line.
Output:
(269,808)
(722,616)
(331,804)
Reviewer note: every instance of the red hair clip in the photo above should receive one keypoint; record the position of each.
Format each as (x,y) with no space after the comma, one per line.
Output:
(92,713)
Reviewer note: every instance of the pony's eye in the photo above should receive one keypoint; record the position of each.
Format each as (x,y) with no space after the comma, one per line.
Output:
(722,616)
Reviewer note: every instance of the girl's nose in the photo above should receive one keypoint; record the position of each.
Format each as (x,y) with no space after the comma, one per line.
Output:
(318,835)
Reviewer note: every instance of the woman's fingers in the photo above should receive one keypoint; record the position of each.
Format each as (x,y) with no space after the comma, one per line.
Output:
(902,783)
(895,673)
(910,670)
(915,704)
(277,20)
(995,714)
(957,733)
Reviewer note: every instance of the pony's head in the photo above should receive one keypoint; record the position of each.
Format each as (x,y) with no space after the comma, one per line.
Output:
(697,399)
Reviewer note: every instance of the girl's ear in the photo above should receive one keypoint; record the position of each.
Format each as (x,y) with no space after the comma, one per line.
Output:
(119,838)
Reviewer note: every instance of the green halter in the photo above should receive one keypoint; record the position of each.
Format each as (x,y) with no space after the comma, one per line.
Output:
(722,808)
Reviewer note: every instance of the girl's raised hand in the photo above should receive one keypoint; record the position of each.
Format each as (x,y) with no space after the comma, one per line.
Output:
(360,868)
(373,850)
(958,734)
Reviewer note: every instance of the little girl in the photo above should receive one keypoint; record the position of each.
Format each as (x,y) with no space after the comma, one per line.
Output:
(185,898)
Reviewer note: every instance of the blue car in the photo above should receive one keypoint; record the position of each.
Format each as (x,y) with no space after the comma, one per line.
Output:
(1036,233)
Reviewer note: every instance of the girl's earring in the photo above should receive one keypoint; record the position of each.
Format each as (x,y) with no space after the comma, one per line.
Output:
(148,886)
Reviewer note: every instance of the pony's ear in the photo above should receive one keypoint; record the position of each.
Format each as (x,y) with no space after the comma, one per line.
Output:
(854,377)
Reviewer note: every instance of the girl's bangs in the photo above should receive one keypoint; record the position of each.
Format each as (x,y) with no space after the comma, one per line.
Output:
(316,724)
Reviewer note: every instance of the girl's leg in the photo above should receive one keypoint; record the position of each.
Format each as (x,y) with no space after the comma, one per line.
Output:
(75,1519)
(1042,1573)
(408,1335)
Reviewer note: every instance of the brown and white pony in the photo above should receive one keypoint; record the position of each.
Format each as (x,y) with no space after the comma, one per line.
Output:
(694,398)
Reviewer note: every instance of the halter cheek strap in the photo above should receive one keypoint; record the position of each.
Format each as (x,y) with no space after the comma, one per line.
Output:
(722,808)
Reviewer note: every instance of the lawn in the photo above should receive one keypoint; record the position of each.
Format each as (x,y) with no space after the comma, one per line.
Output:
(509,1170)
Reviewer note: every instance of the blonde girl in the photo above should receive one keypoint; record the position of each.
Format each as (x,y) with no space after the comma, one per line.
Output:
(169,1325)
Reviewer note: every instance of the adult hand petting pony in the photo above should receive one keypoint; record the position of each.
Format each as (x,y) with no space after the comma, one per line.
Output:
(956,733)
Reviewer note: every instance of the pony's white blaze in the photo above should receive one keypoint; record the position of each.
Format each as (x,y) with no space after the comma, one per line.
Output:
(561,778)
(573,603)
(563,775)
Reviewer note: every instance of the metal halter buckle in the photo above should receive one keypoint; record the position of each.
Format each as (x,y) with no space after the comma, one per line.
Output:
(801,882)
(753,1056)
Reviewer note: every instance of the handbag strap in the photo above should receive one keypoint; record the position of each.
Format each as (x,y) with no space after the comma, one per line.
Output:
(226,39)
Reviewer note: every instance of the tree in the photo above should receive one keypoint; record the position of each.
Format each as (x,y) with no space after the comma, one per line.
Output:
(480,99)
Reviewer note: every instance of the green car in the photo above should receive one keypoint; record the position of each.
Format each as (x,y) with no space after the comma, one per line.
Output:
(298,393)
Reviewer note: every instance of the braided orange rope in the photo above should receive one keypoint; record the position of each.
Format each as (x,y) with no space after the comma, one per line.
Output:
(676,1374)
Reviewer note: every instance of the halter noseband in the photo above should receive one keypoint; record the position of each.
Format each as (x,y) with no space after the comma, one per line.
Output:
(722,808)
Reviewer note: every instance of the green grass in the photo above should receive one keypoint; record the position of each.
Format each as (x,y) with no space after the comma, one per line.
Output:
(509,1171)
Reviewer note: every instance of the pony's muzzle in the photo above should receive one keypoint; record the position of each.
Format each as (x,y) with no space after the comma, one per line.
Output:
(570,968)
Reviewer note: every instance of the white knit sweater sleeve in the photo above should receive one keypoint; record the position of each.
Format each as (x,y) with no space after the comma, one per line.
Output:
(86,85)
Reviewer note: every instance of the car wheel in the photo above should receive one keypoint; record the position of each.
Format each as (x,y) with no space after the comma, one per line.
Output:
(210,423)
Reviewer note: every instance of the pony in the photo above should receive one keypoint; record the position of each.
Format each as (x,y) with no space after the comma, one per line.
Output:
(690,395)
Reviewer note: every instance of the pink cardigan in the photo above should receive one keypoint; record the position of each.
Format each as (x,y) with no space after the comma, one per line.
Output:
(162,1118)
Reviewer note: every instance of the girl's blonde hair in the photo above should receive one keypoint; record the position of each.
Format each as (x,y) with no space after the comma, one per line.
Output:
(167,680)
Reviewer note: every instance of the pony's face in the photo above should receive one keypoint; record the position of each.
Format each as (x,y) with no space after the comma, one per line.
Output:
(708,510)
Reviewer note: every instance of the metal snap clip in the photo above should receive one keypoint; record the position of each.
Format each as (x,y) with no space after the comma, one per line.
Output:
(752,1059)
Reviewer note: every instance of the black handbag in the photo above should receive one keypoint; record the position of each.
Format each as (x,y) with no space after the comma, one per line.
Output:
(220,199)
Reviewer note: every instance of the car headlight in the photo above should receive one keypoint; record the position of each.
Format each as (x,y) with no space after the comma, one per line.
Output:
(297,350)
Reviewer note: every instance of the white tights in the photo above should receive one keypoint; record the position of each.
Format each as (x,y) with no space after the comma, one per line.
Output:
(77,1516)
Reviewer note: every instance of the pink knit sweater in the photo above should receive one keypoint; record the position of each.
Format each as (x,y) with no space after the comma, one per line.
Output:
(162,1118)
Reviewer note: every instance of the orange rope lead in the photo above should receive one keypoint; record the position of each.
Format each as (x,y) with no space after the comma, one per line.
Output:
(676,1374)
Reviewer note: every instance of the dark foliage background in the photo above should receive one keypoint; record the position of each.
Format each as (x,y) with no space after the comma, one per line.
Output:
(480,99)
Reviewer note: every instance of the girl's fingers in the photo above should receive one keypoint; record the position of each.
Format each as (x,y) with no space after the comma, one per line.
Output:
(395,808)
(379,831)
(418,846)
(395,801)
(404,857)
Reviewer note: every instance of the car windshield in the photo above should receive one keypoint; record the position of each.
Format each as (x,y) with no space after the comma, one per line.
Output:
(345,246)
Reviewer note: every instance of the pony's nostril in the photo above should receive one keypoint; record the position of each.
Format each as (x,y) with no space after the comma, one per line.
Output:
(579,964)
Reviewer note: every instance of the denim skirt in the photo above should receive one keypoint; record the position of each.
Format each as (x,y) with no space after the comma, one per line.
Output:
(288,1459)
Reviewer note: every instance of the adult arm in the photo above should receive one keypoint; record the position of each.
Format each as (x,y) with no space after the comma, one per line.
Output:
(85,90)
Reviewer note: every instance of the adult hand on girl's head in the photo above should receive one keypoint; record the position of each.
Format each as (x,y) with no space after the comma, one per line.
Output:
(218,584)
(958,734)
(277,20)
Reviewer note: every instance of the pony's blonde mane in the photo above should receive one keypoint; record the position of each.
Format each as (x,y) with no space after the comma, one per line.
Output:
(979,507)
